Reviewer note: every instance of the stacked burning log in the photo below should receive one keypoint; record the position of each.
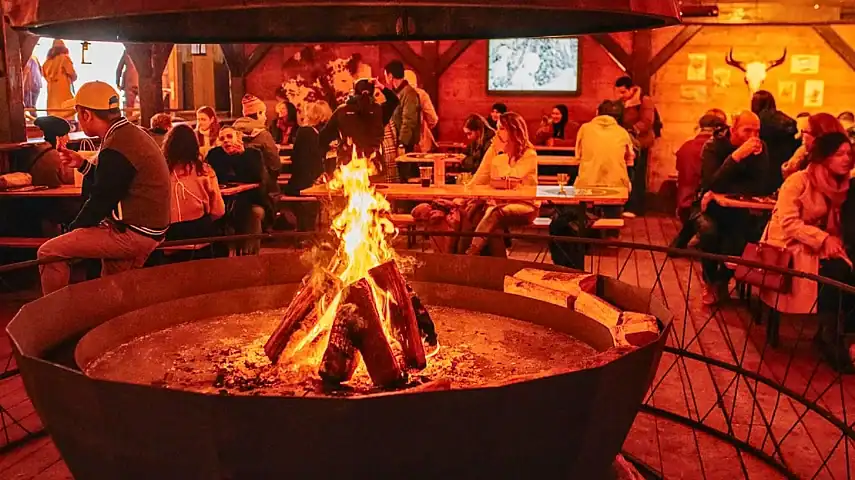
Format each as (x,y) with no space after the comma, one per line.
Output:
(360,300)
(358,329)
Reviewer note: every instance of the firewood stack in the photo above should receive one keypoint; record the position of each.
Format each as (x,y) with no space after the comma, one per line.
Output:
(358,329)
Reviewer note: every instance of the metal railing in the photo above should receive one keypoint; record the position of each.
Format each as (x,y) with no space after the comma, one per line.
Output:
(723,399)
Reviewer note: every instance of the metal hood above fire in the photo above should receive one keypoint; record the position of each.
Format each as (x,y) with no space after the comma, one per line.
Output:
(254,21)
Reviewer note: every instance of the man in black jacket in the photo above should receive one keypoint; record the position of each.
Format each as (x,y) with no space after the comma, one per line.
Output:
(127,212)
(738,165)
(778,131)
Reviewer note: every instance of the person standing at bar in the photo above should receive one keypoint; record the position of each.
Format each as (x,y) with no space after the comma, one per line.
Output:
(33,82)
(407,117)
(128,81)
(778,131)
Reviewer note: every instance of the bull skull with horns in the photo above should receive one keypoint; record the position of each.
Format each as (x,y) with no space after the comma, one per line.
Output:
(755,72)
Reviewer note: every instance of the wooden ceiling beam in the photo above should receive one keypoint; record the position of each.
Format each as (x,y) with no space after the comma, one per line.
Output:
(453,52)
(257,56)
(837,43)
(614,49)
(675,45)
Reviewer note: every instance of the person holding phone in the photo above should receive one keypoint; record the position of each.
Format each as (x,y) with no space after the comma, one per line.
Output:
(734,165)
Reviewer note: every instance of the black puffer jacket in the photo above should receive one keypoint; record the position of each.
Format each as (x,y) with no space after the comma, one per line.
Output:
(778,131)
(363,128)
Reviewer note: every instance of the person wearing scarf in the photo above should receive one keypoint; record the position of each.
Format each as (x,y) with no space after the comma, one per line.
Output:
(806,221)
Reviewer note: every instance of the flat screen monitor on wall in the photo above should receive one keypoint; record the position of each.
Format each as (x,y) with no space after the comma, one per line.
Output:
(546,66)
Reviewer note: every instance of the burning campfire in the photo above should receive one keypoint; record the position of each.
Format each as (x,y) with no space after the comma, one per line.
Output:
(358,306)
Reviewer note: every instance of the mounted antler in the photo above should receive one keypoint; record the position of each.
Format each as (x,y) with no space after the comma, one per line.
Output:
(775,63)
(733,63)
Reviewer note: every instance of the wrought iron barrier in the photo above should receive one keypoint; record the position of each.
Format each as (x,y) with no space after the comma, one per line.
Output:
(724,403)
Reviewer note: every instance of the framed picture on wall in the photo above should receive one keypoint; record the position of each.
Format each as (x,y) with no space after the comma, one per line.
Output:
(814,93)
(546,66)
(786,92)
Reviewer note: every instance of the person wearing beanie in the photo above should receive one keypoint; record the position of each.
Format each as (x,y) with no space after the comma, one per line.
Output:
(58,71)
(360,122)
(127,212)
(253,126)
(45,165)
(689,162)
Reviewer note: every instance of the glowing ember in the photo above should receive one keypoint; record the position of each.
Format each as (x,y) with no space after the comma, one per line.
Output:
(379,321)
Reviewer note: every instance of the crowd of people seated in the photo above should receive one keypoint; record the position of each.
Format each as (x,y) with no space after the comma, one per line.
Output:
(806,164)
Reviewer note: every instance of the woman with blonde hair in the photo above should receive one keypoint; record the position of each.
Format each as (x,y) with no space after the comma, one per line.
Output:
(307,161)
(510,162)
(59,72)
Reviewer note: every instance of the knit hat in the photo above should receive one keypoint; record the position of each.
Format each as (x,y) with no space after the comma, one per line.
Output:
(252,105)
(53,127)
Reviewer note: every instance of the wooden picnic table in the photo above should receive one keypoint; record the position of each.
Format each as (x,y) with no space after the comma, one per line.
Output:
(545,150)
(404,191)
(39,192)
(557,161)
(430,158)
(750,203)
(234,189)
(72,191)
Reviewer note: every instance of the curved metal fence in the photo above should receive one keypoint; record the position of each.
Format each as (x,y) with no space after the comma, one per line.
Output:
(726,402)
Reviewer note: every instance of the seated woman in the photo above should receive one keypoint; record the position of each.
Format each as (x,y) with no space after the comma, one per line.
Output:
(45,165)
(207,129)
(307,163)
(480,135)
(284,125)
(817,125)
(510,162)
(235,163)
(806,221)
(196,199)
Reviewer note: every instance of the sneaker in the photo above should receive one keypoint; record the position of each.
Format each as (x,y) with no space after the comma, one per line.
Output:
(628,214)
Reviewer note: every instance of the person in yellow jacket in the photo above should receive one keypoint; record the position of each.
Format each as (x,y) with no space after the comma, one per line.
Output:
(58,71)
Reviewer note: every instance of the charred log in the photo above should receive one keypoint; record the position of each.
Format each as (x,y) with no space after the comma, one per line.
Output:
(423,319)
(370,339)
(298,310)
(341,357)
(401,313)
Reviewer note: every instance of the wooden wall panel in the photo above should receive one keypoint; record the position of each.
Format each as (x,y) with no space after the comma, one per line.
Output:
(680,114)
(463,90)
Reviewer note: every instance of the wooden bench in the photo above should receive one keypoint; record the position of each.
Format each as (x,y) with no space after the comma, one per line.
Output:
(405,221)
(608,224)
(22,242)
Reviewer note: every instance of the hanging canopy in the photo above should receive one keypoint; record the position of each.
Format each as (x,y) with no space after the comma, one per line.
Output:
(255,21)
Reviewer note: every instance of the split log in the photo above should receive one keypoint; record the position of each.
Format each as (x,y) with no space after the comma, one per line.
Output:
(300,308)
(425,322)
(572,284)
(636,329)
(598,309)
(401,313)
(526,289)
(370,339)
(341,357)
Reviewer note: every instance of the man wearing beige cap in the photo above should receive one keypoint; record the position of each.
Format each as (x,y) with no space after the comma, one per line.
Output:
(127,212)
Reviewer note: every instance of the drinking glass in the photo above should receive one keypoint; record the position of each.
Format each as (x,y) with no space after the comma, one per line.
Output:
(425,174)
(562,179)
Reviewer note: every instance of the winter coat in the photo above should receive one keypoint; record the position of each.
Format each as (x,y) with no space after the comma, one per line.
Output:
(407,118)
(59,74)
(778,131)
(797,224)
(256,136)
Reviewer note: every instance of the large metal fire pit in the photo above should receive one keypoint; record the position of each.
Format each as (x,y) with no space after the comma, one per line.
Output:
(562,426)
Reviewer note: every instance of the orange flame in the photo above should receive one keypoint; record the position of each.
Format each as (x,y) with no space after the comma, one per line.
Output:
(364,232)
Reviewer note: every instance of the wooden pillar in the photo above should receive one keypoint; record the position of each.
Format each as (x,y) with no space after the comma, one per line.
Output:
(203,80)
(12,126)
(150,60)
(240,65)
(640,61)
(431,73)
